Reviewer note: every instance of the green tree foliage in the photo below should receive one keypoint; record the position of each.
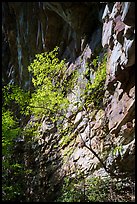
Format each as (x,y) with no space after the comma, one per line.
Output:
(10,130)
(71,191)
(93,189)
(97,189)
(80,189)
(95,91)
(48,97)
(10,168)
(15,99)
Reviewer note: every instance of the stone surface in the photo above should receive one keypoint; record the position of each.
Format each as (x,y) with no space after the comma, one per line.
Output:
(97,132)
(78,118)
(53,24)
(47,125)
(107,30)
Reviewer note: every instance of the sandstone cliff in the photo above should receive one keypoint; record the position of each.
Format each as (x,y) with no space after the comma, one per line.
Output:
(100,134)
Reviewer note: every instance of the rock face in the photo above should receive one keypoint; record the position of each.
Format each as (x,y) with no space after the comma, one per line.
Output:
(30,28)
(101,141)
(120,81)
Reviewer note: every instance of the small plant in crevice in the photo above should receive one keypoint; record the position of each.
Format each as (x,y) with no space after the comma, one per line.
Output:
(94,92)
(117,150)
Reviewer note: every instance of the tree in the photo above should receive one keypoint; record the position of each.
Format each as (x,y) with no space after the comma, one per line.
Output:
(48,97)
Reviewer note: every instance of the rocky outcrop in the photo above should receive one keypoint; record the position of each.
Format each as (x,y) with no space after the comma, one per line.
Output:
(100,140)
(30,28)
(120,81)
(114,124)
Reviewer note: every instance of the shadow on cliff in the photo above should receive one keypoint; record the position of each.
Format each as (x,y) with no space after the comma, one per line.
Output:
(44,159)
(54,24)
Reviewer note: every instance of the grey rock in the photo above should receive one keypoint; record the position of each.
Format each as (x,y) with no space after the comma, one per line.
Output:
(128,57)
(47,125)
(78,118)
(107,33)
(107,12)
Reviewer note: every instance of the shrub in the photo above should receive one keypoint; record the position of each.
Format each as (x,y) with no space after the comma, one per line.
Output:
(11,169)
(95,91)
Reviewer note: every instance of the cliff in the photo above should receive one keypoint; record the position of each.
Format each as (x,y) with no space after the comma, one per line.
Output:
(97,138)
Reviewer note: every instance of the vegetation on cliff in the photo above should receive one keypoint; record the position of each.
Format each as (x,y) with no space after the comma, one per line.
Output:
(48,97)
